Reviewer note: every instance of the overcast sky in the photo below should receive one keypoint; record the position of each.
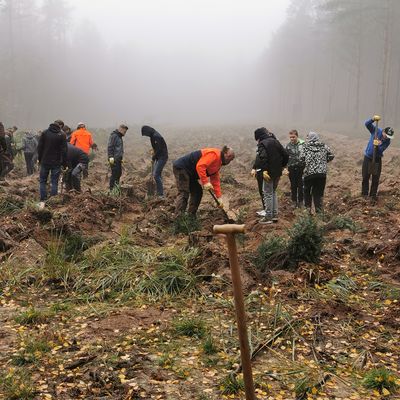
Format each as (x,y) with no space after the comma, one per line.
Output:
(197,56)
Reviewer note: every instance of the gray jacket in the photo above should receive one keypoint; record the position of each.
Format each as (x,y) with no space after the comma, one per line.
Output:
(29,143)
(115,146)
(315,156)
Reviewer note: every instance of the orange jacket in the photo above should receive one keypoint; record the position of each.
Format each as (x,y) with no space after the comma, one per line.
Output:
(83,139)
(208,166)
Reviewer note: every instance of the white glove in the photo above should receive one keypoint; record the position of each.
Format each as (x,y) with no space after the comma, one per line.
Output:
(111,160)
(208,186)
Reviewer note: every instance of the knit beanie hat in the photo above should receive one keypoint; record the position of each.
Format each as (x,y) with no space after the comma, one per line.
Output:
(260,132)
(389,132)
(312,136)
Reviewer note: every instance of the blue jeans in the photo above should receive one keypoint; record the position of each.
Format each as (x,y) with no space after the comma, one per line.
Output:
(157,171)
(44,174)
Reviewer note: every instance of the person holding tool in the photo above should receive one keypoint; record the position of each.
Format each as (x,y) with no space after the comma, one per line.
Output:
(159,156)
(199,166)
(378,142)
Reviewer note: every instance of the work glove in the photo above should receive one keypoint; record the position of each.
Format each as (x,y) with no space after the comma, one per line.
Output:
(253,172)
(208,186)
(111,161)
(221,205)
(376,118)
(266,176)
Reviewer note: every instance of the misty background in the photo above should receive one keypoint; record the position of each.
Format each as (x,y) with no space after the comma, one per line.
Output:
(320,64)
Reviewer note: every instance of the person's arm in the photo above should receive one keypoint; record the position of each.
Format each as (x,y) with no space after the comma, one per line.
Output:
(285,155)
(329,154)
(159,145)
(216,182)
(202,165)
(73,139)
(64,151)
(111,147)
(369,124)
(40,147)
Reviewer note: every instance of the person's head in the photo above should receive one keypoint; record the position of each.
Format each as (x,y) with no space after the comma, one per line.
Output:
(312,136)
(293,136)
(388,133)
(260,133)
(59,122)
(66,129)
(147,131)
(227,155)
(81,125)
(122,129)
(14,129)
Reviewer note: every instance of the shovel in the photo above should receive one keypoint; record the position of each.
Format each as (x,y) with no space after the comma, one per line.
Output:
(151,185)
(226,216)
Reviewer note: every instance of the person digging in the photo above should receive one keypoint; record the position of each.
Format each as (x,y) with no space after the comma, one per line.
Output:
(196,172)
(379,141)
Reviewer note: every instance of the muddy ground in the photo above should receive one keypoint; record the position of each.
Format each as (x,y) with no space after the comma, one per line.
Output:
(82,318)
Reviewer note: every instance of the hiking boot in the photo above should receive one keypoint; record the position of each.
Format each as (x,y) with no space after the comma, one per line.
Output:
(275,220)
(265,221)
(41,205)
(261,213)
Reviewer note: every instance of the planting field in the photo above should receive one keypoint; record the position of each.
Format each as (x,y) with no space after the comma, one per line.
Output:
(109,297)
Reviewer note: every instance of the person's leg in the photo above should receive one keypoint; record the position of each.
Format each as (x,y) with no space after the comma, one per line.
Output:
(268,193)
(116,172)
(365,177)
(157,171)
(67,180)
(44,173)
(307,192)
(300,189)
(55,175)
(76,176)
(260,180)
(28,170)
(375,180)
(31,165)
(318,193)
(196,194)
(275,199)
(183,185)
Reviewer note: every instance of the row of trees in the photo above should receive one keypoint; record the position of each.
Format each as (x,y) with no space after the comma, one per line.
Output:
(333,63)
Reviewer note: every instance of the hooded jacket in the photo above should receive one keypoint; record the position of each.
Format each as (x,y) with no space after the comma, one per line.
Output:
(76,156)
(203,164)
(115,147)
(83,139)
(52,147)
(3,144)
(315,155)
(29,143)
(369,151)
(271,156)
(157,143)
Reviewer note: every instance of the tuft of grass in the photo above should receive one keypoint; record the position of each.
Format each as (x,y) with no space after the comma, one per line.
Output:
(192,327)
(342,287)
(231,385)
(31,316)
(343,222)
(9,205)
(305,240)
(16,385)
(209,346)
(269,252)
(30,352)
(186,223)
(385,290)
(380,379)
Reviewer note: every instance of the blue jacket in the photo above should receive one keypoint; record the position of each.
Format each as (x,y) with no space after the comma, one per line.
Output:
(369,151)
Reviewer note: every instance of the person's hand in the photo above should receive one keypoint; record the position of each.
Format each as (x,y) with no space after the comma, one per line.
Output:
(221,205)
(253,172)
(111,161)
(266,176)
(208,186)
(94,147)
(285,172)
(376,118)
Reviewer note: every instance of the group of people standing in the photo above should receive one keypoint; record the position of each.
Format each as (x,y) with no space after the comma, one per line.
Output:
(59,150)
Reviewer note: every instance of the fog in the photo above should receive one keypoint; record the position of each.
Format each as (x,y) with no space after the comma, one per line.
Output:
(321,64)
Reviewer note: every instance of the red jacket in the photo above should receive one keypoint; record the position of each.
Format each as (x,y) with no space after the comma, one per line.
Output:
(208,166)
(83,139)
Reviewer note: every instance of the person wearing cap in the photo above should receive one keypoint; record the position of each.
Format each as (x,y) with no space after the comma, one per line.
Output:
(384,137)
(82,138)
(315,155)
(115,153)
(271,158)
(159,156)
(52,155)
(198,171)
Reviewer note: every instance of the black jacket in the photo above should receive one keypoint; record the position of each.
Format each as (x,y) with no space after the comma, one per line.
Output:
(157,142)
(115,147)
(76,156)
(3,144)
(271,156)
(52,147)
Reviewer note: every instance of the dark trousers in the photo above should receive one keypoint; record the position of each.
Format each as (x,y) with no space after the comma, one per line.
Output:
(189,190)
(73,177)
(6,164)
(157,171)
(116,172)
(54,171)
(30,168)
(296,184)
(314,187)
(260,183)
(366,175)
